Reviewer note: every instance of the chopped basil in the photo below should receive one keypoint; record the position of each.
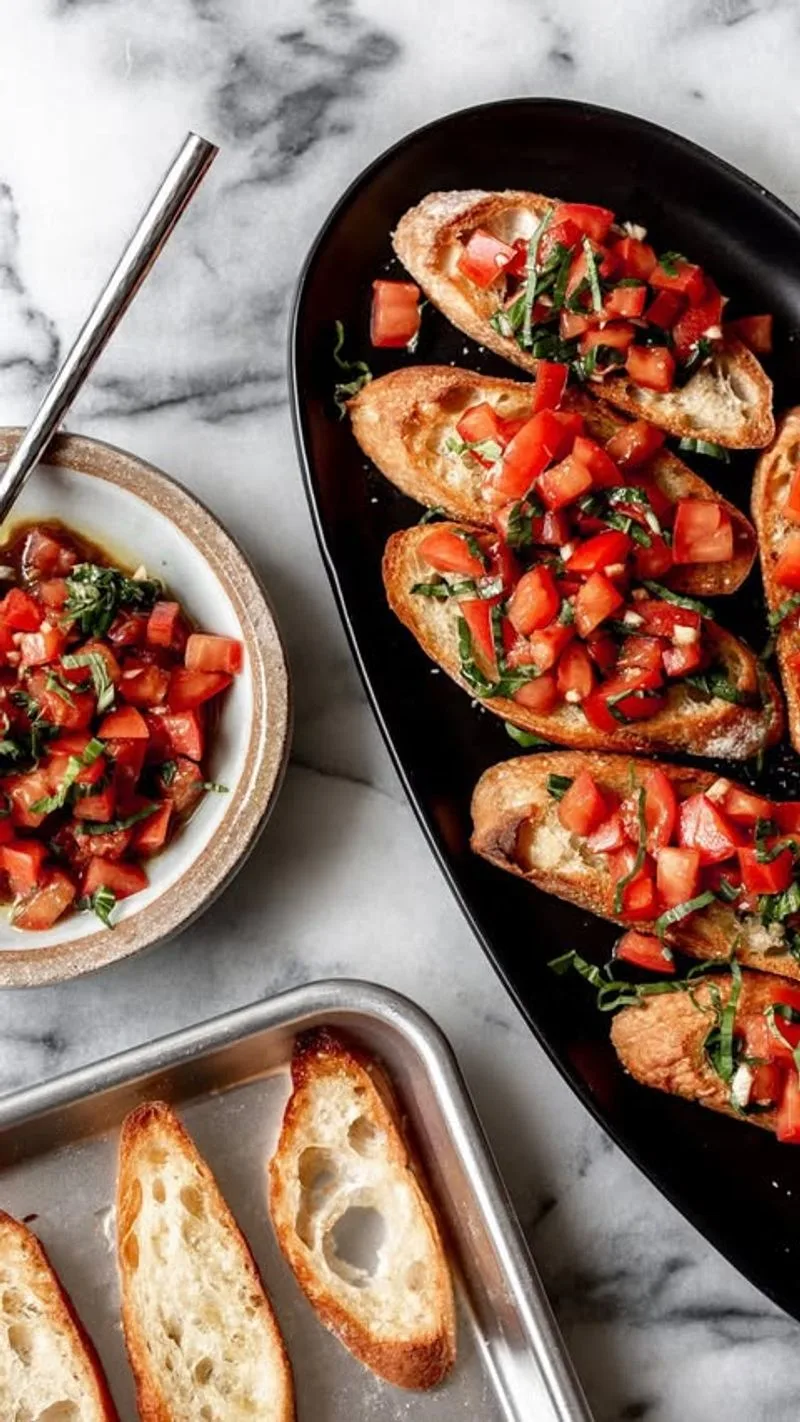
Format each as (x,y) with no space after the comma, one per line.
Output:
(110,827)
(668,262)
(716,683)
(632,494)
(625,524)
(101,902)
(477,681)
(594,278)
(474,547)
(54,683)
(700,353)
(774,908)
(526,739)
(681,911)
(103,685)
(75,764)
(559,290)
(95,594)
(519,524)
(706,447)
(720,1044)
(691,604)
(215,787)
(622,884)
(442,590)
(358,370)
(167,772)
(726,891)
(558,785)
(486,448)
(613,994)
(774,619)
(430,515)
(566,613)
(526,337)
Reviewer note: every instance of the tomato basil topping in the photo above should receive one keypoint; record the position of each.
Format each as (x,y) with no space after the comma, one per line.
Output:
(593,294)
(566,601)
(105,690)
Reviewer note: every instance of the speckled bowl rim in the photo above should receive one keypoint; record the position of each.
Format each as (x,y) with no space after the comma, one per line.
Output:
(255,792)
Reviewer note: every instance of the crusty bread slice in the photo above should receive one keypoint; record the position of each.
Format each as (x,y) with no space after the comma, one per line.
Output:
(516,827)
(713,727)
(660,1042)
(403,421)
(340,1164)
(49,1371)
(770,489)
(201,1335)
(728,400)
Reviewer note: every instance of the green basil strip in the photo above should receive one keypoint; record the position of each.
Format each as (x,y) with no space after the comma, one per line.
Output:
(706,447)
(591,269)
(431,515)
(691,604)
(357,369)
(715,683)
(668,262)
(75,764)
(526,337)
(109,827)
(558,785)
(526,739)
(681,911)
(726,891)
(774,619)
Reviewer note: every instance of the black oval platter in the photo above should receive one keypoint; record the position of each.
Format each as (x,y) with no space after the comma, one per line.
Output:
(733,1181)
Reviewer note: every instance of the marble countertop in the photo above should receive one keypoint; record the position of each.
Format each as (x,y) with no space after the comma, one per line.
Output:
(95,96)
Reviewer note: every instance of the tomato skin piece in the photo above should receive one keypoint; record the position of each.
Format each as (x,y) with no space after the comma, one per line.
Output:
(677,874)
(703,826)
(128,757)
(394,315)
(563,233)
(787,567)
(549,385)
(540,695)
(770,878)
(703,532)
(478,422)
(535,601)
(687,279)
(640,660)
(445,552)
(599,552)
(639,900)
(788,1125)
(652,367)
(477,613)
(661,618)
(482,260)
(23,862)
(635,443)
(644,950)
(122,879)
(590,220)
(636,258)
(583,807)
(575,677)
(540,441)
(573,323)
(745,807)
(660,809)
(610,835)
(151,835)
(162,624)
(753,331)
(188,689)
(597,600)
(46,904)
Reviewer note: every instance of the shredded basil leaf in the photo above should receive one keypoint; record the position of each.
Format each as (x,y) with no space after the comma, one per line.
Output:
(726,891)
(706,447)
(104,688)
(774,908)
(691,604)
(111,826)
(716,683)
(167,772)
(215,787)
(75,764)
(101,902)
(668,262)
(558,785)
(526,739)
(526,337)
(519,525)
(681,911)
(430,515)
(592,273)
(95,594)
(357,369)
(486,448)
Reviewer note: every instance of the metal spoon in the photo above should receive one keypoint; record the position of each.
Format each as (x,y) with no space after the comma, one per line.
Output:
(178,186)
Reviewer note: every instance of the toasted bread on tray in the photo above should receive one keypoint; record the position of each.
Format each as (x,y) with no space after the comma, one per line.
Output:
(48,1367)
(771,486)
(516,826)
(404,420)
(201,1335)
(728,400)
(698,727)
(341,1162)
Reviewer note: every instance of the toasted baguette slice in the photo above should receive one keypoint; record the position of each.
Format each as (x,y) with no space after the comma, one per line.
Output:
(727,401)
(516,827)
(48,1367)
(661,1042)
(341,1160)
(403,420)
(770,489)
(201,1335)
(709,728)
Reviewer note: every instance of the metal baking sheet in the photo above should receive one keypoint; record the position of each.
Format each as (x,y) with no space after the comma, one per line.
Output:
(229,1080)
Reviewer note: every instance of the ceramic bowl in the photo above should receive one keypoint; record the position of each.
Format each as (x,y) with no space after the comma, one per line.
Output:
(138,514)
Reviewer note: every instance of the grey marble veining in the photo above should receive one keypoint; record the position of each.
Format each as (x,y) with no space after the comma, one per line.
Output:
(95,96)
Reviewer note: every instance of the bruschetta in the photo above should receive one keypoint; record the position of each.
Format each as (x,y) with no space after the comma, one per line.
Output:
(566,649)
(684,856)
(461,442)
(776,512)
(674,1042)
(533,278)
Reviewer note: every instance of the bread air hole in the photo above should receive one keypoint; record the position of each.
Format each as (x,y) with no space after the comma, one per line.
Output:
(352,1246)
(415,1277)
(130,1251)
(317,1173)
(13,1303)
(203,1370)
(20,1340)
(364,1137)
(159,1193)
(192,1201)
(59,1412)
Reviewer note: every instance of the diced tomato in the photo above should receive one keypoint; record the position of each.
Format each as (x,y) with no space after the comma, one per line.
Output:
(549,385)
(604,472)
(652,367)
(192,688)
(770,878)
(482,259)
(183,731)
(654,561)
(754,331)
(791,508)
(23,792)
(535,601)
(38,648)
(602,551)
(163,624)
(640,658)
(538,443)
(665,309)
(661,618)
(597,600)
(767,1082)
(481,422)
(23,861)
(143,684)
(122,879)
(788,1126)
(542,649)
(603,650)
(58,765)
(126,723)
(626,301)
(72,715)
(20,611)
(45,556)
(183,787)
(54,593)
(446,551)
(394,316)
(703,825)
(700,318)
(644,950)
(575,676)
(46,904)
(636,259)
(616,335)
(151,835)
(683,277)
(477,613)
(683,659)
(583,807)
(82,675)
(558,234)
(573,323)
(703,532)
(564,483)
(609,835)
(639,900)
(677,875)
(787,566)
(746,808)
(589,219)
(634,443)
(129,629)
(629,701)
(660,809)
(787,814)
(540,695)
(99,807)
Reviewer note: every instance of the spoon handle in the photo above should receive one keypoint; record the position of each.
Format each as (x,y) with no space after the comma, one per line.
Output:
(178,186)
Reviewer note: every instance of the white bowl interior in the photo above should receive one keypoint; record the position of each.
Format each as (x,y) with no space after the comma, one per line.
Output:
(131,531)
